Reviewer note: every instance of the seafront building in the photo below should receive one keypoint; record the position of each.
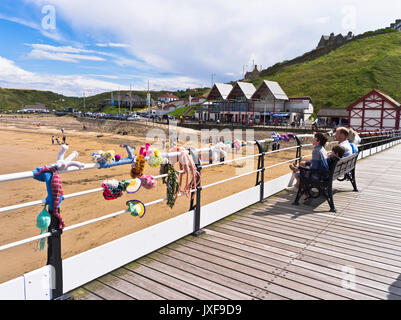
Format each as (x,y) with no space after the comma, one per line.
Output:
(243,103)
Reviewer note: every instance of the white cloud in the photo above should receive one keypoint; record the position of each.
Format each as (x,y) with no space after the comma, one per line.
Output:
(12,76)
(112,45)
(61,56)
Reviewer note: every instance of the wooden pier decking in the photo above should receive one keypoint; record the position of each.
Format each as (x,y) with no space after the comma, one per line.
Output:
(279,251)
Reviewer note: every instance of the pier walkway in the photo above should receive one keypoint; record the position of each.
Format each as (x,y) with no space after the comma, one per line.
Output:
(275,250)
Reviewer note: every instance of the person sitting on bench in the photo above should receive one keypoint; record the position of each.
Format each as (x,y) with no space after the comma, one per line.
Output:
(319,159)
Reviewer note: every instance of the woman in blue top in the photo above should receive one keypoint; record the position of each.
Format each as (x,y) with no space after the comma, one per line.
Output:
(319,158)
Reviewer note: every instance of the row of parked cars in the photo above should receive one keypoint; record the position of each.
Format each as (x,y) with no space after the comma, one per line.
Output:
(129,117)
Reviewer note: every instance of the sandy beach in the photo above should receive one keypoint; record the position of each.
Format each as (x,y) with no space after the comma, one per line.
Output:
(25,145)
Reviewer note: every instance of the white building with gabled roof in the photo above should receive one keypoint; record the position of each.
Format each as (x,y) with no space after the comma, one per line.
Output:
(243,103)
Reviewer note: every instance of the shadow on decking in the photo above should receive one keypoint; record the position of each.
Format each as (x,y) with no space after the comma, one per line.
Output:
(394,289)
(283,205)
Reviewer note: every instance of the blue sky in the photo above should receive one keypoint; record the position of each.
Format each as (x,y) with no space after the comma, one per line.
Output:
(76,46)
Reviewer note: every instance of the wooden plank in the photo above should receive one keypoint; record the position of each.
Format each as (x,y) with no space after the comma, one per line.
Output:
(150,285)
(239,291)
(199,281)
(82,294)
(300,272)
(342,237)
(342,232)
(352,245)
(249,244)
(383,263)
(251,273)
(335,258)
(105,292)
(128,288)
(316,292)
(247,283)
(169,281)
(313,267)
(247,250)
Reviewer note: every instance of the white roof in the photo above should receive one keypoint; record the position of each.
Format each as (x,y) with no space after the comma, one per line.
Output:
(247,88)
(224,89)
(276,90)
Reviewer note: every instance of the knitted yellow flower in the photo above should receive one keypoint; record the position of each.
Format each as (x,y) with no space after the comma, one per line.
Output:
(155,159)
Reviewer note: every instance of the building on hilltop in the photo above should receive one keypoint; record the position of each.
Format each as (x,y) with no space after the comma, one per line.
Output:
(253,74)
(168,97)
(333,40)
(396,25)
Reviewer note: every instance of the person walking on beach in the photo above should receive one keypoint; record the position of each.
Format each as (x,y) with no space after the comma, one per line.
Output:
(52,139)
(62,130)
(58,140)
(64,139)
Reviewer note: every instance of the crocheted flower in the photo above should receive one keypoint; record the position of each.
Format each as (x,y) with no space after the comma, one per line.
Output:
(155,159)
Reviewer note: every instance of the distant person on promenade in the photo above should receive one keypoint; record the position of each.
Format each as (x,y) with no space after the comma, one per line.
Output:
(52,139)
(341,135)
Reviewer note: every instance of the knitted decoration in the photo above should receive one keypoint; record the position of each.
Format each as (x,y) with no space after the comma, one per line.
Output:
(188,166)
(237,144)
(42,222)
(102,157)
(139,167)
(137,208)
(155,159)
(112,189)
(63,164)
(148,182)
(171,181)
(56,192)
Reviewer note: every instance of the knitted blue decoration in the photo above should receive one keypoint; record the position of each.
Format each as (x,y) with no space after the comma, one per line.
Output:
(42,222)
(47,178)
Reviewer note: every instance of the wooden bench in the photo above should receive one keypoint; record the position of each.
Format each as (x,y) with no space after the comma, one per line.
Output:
(342,169)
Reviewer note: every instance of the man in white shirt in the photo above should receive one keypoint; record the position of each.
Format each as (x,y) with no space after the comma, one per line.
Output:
(341,135)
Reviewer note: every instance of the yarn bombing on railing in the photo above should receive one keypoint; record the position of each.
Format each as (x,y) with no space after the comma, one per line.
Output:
(275,138)
(50,175)
(138,164)
(171,181)
(42,222)
(188,166)
(112,189)
(109,159)
(137,208)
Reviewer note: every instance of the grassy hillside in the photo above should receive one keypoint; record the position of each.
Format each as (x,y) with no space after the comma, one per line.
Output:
(347,73)
(13,99)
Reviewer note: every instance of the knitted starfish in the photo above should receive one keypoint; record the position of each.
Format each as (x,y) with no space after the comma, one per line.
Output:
(63,164)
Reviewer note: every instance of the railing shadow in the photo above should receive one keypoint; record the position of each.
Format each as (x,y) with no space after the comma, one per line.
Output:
(283,205)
